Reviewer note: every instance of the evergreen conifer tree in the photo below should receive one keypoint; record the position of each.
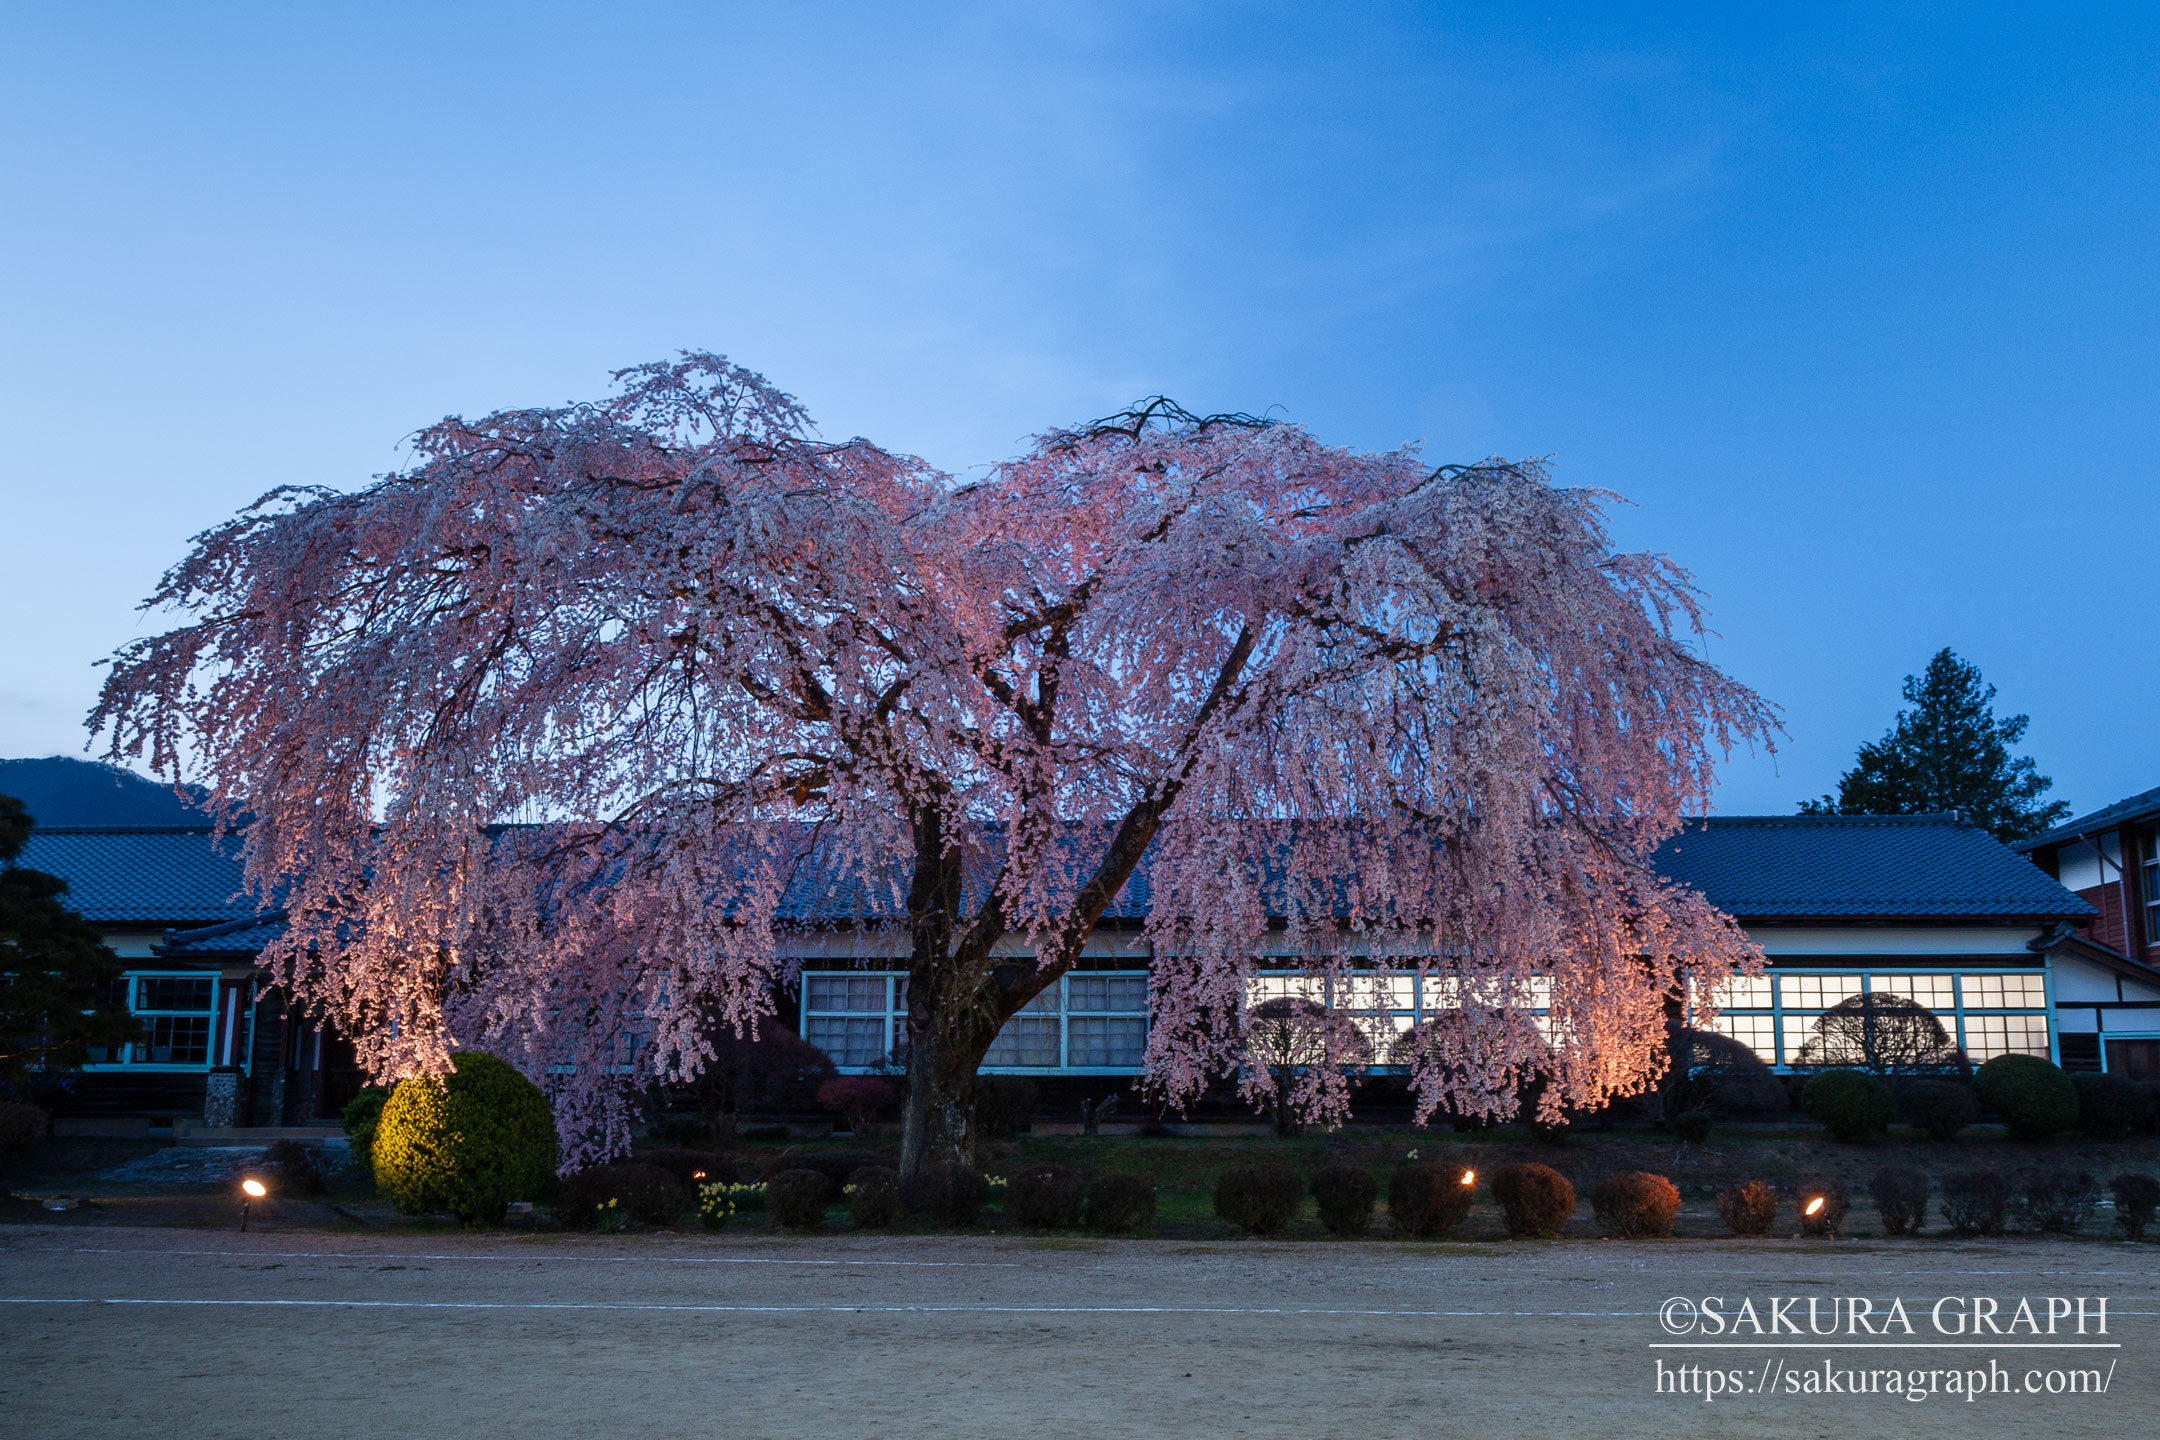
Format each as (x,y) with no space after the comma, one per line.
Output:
(1949,751)
(57,976)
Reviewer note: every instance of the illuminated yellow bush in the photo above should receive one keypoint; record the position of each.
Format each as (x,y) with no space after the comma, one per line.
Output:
(469,1145)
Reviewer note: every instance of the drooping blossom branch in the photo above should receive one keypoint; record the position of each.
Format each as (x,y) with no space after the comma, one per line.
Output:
(549,738)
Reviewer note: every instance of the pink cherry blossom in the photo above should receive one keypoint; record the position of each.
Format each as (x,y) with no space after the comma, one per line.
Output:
(545,737)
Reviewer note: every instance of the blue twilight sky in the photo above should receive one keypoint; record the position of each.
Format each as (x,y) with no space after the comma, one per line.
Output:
(1857,307)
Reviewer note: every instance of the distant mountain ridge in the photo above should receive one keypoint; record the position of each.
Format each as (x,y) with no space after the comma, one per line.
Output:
(59,790)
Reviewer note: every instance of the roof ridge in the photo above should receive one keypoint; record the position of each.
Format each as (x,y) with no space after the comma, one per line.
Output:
(204,829)
(1936,817)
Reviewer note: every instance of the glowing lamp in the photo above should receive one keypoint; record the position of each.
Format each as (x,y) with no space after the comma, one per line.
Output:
(697,1174)
(1814,1206)
(1469,1177)
(251,1190)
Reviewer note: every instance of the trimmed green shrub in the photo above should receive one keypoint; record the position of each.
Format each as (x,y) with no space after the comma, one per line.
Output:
(1426,1198)
(1345,1194)
(361,1115)
(1901,1196)
(1940,1107)
(2136,1197)
(796,1198)
(2110,1107)
(2148,1106)
(692,1167)
(946,1193)
(1973,1201)
(610,1196)
(690,1132)
(1534,1199)
(857,1100)
(1120,1203)
(2036,1099)
(1693,1126)
(1635,1204)
(873,1197)
(1850,1104)
(1749,1208)
(19,1125)
(1004,1105)
(2055,1199)
(470,1144)
(1044,1197)
(1822,1207)
(1259,1199)
(836,1166)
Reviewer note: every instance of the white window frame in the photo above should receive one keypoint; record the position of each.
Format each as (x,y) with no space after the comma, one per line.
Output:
(1953,1018)
(212,1015)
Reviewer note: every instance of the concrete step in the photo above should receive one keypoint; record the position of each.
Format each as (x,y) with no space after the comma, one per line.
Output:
(202,1135)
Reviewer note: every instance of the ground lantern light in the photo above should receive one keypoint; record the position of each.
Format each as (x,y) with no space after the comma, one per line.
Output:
(1814,1206)
(251,1190)
(1469,1179)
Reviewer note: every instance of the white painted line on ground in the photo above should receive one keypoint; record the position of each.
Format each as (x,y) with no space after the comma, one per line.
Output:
(604,1259)
(840,1309)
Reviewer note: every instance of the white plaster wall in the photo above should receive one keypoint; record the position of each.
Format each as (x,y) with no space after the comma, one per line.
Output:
(1896,940)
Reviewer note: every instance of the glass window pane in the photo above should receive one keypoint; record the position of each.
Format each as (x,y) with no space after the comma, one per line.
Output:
(2004,992)
(1739,992)
(176,1040)
(845,994)
(1043,1004)
(1754,1031)
(172,992)
(848,1041)
(1277,986)
(1025,1041)
(1799,1029)
(1934,991)
(1105,1040)
(1122,994)
(1987,1036)
(1816,992)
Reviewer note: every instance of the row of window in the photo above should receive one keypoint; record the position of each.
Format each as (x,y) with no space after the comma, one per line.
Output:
(177,1014)
(1099,1021)
(1778,1015)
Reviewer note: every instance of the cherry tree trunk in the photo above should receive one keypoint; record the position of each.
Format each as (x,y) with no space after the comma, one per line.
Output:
(939,1114)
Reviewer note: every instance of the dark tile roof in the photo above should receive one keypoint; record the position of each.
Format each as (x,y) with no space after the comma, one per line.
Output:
(166,876)
(1773,867)
(2137,807)
(1797,867)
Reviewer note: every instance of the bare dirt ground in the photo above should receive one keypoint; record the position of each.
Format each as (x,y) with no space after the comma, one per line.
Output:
(116,1331)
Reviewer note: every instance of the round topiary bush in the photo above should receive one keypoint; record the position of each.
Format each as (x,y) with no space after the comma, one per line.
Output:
(2136,1197)
(1901,1196)
(1044,1197)
(2110,1107)
(2055,1199)
(692,1167)
(1850,1104)
(359,1118)
(1940,1107)
(1345,1194)
(468,1144)
(1973,1201)
(1534,1199)
(613,1195)
(1748,1209)
(948,1193)
(873,1197)
(1693,1126)
(2036,1099)
(1426,1198)
(1120,1204)
(1259,1199)
(1635,1204)
(796,1198)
